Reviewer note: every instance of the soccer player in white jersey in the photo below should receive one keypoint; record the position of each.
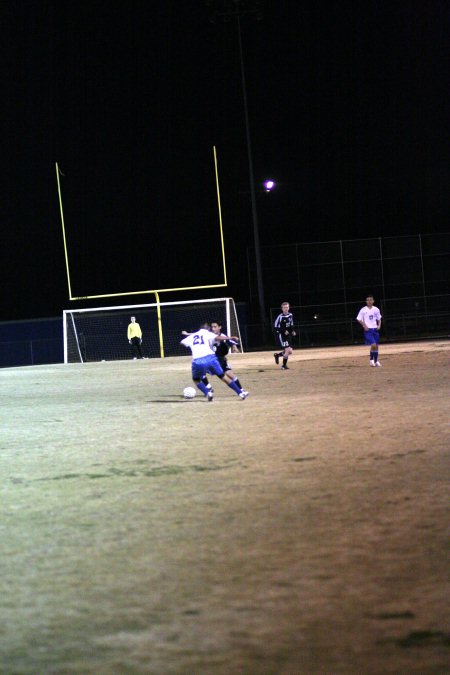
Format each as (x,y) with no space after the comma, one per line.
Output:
(204,360)
(369,317)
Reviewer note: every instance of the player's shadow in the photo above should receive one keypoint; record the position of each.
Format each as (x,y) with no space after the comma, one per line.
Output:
(174,398)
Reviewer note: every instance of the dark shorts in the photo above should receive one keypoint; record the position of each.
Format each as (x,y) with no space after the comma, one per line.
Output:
(224,363)
(284,340)
(371,336)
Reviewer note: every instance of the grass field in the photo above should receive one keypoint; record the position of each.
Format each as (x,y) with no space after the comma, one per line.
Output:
(301,531)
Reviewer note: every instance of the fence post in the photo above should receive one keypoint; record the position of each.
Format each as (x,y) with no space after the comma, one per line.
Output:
(425,304)
(382,279)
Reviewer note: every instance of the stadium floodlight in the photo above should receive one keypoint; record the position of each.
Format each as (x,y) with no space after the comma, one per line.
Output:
(269,185)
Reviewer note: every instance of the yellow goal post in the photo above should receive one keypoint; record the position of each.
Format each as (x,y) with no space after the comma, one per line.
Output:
(96,296)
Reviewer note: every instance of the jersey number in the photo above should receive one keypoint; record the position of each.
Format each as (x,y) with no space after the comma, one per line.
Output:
(198,340)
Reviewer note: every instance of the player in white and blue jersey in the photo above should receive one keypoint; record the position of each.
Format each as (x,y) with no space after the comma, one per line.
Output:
(369,317)
(204,360)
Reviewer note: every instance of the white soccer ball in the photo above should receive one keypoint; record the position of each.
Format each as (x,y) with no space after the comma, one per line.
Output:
(189,392)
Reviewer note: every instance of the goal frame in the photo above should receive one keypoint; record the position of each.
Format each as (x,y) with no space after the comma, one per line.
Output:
(68,316)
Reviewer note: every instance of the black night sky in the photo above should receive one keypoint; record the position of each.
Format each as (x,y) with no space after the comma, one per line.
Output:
(348,107)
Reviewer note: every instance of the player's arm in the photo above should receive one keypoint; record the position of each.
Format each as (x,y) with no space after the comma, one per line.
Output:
(361,321)
(232,341)
(233,344)
(223,338)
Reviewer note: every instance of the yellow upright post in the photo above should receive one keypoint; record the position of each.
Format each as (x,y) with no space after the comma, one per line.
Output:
(220,218)
(158,312)
(63,230)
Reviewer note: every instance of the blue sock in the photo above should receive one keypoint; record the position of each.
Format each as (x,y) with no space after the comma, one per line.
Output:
(371,353)
(234,386)
(375,356)
(203,388)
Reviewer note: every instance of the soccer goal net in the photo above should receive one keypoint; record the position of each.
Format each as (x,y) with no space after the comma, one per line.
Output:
(101,333)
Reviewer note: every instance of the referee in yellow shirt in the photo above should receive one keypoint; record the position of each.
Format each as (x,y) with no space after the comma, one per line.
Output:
(135,337)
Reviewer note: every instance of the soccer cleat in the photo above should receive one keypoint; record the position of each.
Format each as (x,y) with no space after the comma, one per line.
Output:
(372,363)
(209,388)
(284,368)
(243,394)
(277,358)
(210,396)
(378,364)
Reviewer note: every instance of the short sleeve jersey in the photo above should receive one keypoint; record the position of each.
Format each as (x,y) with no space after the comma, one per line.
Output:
(370,316)
(200,343)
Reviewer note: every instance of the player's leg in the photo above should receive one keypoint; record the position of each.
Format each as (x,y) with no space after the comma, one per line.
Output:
(209,393)
(371,338)
(199,384)
(228,370)
(232,384)
(207,383)
(217,369)
(134,342)
(198,373)
(233,377)
(286,355)
(375,348)
(277,355)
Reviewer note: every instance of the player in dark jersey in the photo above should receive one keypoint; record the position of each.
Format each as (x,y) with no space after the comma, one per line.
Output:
(284,328)
(222,349)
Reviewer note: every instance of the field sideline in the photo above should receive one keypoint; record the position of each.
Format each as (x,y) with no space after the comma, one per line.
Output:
(301,531)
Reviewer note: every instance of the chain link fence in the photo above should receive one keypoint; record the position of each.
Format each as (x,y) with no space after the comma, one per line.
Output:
(326,284)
